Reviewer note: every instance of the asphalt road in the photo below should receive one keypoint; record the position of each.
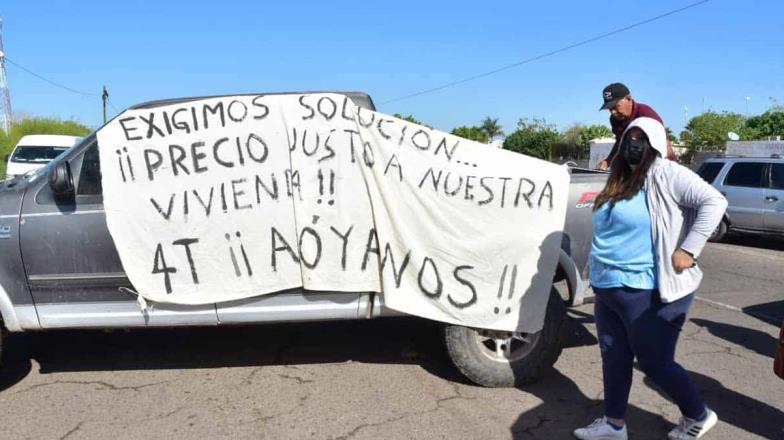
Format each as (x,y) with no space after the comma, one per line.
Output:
(387,379)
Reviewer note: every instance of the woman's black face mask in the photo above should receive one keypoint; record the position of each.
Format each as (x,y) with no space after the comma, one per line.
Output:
(632,150)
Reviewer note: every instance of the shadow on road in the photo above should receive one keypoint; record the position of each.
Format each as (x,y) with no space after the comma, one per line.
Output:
(754,340)
(580,336)
(565,407)
(737,409)
(388,341)
(770,242)
(399,340)
(16,363)
(771,313)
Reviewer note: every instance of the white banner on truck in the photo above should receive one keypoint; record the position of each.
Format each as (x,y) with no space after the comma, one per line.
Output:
(225,198)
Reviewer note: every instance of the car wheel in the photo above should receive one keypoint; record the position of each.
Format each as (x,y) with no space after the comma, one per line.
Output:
(719,232)
(503,359)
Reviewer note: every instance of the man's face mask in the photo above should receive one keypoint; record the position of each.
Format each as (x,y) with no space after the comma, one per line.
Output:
(633,150)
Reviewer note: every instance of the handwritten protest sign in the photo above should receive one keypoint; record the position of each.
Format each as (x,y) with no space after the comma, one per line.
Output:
(226,198)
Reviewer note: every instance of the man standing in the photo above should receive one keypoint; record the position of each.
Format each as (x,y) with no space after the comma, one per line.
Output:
(623,110)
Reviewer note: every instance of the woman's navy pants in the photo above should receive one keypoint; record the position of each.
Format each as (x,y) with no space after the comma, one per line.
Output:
(636,323)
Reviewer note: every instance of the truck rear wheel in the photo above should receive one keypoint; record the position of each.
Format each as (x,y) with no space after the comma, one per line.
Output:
(504,359)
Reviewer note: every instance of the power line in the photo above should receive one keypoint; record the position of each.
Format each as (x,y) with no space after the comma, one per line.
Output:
(117,112)
(548,54)
(56,84)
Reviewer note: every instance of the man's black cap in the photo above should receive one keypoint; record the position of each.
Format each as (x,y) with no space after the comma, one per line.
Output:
(612,94)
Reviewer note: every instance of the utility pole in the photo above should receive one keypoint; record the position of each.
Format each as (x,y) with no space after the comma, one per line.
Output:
(5,96)
(104,98)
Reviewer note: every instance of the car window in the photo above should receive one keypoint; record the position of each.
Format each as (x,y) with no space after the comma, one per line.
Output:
(777,176)
(90,176)
(36,154)
(748,174)
(709,170)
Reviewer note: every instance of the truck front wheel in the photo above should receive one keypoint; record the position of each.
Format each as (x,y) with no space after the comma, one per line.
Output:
(503,359)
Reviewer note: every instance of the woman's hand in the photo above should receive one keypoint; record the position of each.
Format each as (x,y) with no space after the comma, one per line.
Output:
(682,260)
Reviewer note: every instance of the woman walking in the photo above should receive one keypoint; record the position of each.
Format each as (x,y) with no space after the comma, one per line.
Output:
(651,221)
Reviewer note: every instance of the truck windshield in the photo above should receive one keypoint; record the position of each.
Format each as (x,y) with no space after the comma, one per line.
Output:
(36,154)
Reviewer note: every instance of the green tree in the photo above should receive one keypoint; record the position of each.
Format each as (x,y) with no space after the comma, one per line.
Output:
(770,123)
(411,118)
(575,141)
(491,128)
(472,133)
(670,135)
(709,130)
(569,143)
(533,137)
(589,133)
(36,126)
(596,131)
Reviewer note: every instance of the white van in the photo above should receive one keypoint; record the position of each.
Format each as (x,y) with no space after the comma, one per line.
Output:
(36,150)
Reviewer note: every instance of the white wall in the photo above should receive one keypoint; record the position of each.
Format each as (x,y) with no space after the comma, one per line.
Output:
(755,148)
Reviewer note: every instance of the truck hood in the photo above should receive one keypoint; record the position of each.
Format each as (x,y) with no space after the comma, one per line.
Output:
(18,169)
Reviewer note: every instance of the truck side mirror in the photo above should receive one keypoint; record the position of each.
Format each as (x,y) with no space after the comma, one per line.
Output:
(5,158)
(60,178)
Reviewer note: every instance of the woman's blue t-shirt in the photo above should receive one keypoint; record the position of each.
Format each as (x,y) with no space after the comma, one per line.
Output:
(622,249)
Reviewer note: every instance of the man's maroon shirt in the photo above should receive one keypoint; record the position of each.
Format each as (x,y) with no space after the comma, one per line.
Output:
(618,127)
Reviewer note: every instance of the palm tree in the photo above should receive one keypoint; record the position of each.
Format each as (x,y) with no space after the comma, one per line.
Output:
(491,128)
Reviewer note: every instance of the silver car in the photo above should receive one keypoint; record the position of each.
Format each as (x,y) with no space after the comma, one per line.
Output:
(754,188)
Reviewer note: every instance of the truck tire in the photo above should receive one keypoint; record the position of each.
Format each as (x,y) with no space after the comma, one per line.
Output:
(503,359)
(719,232)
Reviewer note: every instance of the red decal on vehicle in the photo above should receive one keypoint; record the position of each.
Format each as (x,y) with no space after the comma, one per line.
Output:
(588,197)
(586,200)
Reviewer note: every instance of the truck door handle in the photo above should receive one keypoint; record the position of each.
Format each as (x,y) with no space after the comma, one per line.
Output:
(772,199)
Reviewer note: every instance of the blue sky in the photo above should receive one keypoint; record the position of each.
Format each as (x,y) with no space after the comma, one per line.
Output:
(709,57)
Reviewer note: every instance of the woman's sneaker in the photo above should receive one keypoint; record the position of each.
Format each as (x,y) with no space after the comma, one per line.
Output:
(600,429)
(689,429)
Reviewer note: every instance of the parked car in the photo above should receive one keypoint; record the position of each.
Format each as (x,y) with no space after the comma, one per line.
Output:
(59,269)
(754,188)
(36,150)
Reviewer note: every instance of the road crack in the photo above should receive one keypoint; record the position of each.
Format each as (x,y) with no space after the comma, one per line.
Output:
(530,430)
(264,419)
(456,395)
(99,383)
(249,378)
(356,430)
(300,380)
(73,430)
(163,416)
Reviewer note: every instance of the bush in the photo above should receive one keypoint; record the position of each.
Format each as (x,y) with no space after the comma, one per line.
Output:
(36,126)
(533,138)
(471,133)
